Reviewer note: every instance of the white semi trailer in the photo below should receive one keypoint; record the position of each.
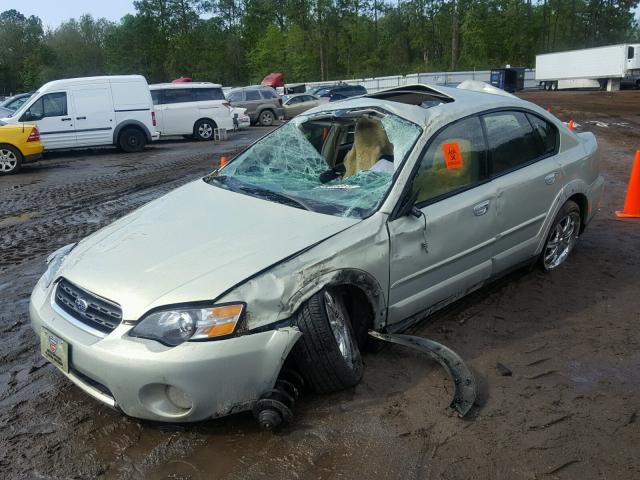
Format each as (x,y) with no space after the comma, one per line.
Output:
(590,67)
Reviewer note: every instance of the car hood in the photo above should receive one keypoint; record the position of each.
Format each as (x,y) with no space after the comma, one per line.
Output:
(193,244)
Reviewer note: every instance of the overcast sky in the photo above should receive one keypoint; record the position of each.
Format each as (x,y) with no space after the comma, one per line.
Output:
(54,12)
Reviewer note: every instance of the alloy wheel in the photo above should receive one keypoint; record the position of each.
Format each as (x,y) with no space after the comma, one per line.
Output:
(339,327)
(561,241)
(205,131)
(266,118)
(8,160)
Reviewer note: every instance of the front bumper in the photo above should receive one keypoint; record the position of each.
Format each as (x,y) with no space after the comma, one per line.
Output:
(142,377)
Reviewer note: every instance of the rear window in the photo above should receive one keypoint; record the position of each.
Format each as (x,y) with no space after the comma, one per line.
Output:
(268,94)
(252,95)
(203,94)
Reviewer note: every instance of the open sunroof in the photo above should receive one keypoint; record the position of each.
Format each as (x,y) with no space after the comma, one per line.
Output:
(420,95)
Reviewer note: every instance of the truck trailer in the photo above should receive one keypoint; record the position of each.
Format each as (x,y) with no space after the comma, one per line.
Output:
(600,67)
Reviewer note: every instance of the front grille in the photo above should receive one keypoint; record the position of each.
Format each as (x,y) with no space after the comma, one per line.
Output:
(88,308)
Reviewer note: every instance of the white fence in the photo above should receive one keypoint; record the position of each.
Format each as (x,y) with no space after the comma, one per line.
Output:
(435,78)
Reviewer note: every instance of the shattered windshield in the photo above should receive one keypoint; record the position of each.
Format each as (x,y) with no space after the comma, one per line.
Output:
(339,163)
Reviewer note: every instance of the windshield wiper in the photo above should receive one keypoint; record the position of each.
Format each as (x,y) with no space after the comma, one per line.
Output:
(275,196)
(226,182)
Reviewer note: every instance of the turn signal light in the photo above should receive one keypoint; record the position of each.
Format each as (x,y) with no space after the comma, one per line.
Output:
(34,136)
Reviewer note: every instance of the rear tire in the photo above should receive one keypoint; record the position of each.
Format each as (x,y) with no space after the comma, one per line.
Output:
(327,355)
(562,237)
(132,140)
(10,160)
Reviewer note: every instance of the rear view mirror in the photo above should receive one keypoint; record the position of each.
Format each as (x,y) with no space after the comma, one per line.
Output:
(26,117)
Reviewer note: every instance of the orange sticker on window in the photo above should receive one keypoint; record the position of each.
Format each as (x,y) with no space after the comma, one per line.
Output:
(452,156)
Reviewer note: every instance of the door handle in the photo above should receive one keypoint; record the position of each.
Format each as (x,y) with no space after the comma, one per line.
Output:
(81,118)
(65,119)
(481,208)
(551,178)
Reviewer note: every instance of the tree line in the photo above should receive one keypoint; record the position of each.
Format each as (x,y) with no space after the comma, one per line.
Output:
(237,42)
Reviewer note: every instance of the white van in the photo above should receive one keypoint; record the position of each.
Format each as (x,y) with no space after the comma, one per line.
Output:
(92,111)
(194,108)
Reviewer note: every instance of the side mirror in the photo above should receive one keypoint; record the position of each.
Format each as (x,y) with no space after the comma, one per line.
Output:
(408,206)
(26,117)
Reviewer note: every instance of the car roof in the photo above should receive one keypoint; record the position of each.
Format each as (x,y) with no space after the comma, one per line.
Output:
(457,103)
(157,86)
(252,87)
(89,80)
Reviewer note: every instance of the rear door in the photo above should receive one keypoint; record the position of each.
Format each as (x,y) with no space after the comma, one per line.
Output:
(444,250)
(211,103)
(52,113)
(94,114)
(252,100)
(528,179)
(179,111)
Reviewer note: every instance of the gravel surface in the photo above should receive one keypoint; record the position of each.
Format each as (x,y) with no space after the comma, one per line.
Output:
(556,355)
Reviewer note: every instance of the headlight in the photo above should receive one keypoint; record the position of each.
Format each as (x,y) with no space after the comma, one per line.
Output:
(173,327)
(54,262)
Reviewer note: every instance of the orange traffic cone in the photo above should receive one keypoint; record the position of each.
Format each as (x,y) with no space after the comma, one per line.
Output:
(571,126)
(632,203)
(223,161)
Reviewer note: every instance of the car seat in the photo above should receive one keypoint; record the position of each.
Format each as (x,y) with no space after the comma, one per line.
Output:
(370,142)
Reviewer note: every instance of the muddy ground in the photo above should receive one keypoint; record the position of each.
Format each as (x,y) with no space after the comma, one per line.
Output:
(570,408)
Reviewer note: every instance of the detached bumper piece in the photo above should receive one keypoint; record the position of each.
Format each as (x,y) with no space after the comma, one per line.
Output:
(464,382)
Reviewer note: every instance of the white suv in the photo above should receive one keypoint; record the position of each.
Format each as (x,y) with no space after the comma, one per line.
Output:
(191,109)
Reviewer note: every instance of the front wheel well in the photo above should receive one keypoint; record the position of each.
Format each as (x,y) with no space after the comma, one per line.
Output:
(583,203)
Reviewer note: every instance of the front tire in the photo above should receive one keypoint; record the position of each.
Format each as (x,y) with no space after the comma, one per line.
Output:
(132,140)
(327,355)
(203,130)
(266,118)
(563,236)
(10,160)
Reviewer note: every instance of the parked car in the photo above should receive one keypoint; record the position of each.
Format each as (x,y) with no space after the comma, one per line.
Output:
(15,102)
(263,104)
(297,104)
(240,118)
(195,109)
(348,218)
(92,111)
(18,144)
(340,92)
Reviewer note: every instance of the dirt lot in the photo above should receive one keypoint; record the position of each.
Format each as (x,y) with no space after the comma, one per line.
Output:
(570,409)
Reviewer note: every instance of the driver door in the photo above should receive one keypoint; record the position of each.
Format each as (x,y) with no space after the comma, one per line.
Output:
(52,115)
(444,248)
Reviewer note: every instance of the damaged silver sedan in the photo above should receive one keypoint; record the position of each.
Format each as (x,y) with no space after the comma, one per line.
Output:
(227,293)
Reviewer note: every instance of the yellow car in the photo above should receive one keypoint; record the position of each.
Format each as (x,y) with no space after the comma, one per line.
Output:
(18,144)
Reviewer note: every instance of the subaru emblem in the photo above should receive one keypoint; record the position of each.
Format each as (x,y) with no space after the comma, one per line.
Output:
(82,304)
